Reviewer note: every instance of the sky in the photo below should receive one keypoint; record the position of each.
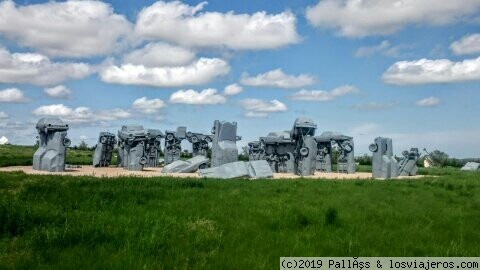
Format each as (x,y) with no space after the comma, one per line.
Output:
(404,69)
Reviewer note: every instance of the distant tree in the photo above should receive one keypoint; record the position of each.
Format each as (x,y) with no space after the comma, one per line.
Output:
(186,154)
(83,146)
(439,157)
(364,160)
(334,155)
(243,157)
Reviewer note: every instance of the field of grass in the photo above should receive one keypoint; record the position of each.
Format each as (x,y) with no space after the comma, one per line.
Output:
(21,155)
(65,222)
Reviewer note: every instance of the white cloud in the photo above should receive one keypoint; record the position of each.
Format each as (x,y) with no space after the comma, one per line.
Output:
(37,69)
(199,72)
(187,25)
(66,29)
(205,97)
(374,106)
(321,95)
(160,55)
(59,91)
(467,45)
(384,48)
(12,95)
(81,114)
(112,114)
(232,89)
(432,71)
(368,51)
(250,114)
(257,108)
(56,110)
(428,102)
(148,106)
(3,115)
(354,18)
(277,78)
(3,140)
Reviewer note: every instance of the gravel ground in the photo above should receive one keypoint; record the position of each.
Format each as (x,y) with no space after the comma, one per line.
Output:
(154,172)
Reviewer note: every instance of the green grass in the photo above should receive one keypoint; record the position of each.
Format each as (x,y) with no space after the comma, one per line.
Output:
(65,222)
(20,155)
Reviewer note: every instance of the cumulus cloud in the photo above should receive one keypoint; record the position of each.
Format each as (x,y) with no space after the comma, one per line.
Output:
(321,95)
(59,91)
(37,69)
(12,95)
(3,115)
(257,108)
(148,106)
(187,25)
(432,71)
(467,45)
(160,55)
(205,97)
(81,115)
(353,18)
(199,72)
(277,78)
(374,106)
(65,29)
(428,102)
(232,89)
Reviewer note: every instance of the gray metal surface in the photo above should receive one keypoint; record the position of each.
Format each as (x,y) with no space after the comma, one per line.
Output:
(199,143)
(346,154)
(279,151)
(252,169)
(173,144)
(384,165)
(324,153)
(152,147)
(408,164)
(102,157)
(53,143)
(471,166)
(186,166)
(255,151)
(224,143)
(302,133)
(258,169)
(132,139)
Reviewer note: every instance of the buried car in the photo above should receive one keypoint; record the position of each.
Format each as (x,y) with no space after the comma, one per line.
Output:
(186,166)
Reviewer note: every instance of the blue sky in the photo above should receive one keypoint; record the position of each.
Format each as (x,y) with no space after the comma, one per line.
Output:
(407,69)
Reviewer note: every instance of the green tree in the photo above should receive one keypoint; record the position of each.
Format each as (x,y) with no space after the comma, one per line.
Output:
(439,157)
(83,146)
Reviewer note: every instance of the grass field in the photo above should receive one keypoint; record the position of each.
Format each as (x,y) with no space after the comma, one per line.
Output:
(83,222)
(67,222)
(21,155)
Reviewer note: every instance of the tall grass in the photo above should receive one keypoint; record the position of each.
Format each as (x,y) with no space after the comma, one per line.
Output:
(84,222)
